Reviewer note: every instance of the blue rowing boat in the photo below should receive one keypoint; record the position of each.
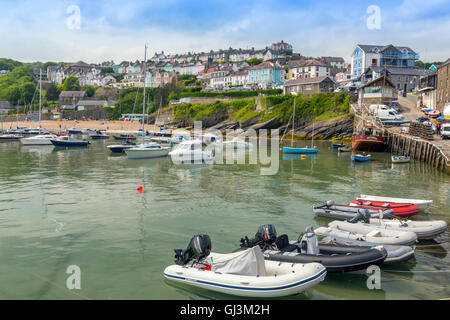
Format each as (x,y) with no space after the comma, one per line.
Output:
(291,150)
(337,146)
(361,158)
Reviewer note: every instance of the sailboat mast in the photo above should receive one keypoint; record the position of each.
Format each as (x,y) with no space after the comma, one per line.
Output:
(143,102)
(40,98)
(293,124)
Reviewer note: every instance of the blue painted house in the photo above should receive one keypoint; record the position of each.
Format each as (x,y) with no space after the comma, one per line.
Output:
(265,75)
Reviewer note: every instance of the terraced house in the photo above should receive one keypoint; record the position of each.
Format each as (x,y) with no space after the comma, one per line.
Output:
(265,75)
(307,68)
(443,85)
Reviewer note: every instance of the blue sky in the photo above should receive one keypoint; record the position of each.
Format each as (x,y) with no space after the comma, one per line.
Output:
(116,30)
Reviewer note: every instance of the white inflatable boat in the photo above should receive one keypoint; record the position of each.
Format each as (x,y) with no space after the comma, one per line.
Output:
(247,274)
(421,204)
(359,231)
(423,229)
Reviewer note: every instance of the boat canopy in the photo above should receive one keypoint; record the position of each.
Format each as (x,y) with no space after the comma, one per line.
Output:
(249,262)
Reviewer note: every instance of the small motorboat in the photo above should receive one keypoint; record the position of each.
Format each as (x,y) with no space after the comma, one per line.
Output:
(10,137)
(361,157)
(88,131)
(400,159)
(120,148)
(74,131)
(345,149)
(237,144)
(395,253)
(337,145)
(306,150)
(98,135)
(69,141)
(147,151)
(244,273)
(423,229)
(191,152)
(124,137)
(306,249)
(399,209)
(343,212)
(355,231)
(421,204)
(42,139)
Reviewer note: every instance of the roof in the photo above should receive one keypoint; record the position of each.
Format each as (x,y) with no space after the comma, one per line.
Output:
(307,80)
(372,48)
(92,103)
(81,64)
(334,59)
(383,79)
(306,63)
(401,71)
(264,65)
(72,94)
(444,64)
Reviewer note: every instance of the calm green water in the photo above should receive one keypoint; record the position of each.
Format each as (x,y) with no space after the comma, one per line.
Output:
(81,207)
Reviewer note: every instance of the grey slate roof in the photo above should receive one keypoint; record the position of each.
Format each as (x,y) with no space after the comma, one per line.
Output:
(370,48)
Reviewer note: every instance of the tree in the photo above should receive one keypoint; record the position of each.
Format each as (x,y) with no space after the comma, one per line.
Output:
(107,70)
(13,95)
(27,91)
(254,61)
(52,93)
(90,90)
(71,84)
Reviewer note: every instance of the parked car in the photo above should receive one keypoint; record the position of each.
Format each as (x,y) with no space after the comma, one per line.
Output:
(445,131)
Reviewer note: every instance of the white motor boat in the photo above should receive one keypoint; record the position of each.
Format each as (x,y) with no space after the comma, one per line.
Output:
(359,231)
(147,151)
(238,144)
(191,152)
(247,274)
(421,204)
(42,139)
(88,131)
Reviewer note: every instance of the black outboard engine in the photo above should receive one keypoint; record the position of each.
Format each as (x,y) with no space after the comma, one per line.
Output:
(363,215)
(265,237)
(199,248)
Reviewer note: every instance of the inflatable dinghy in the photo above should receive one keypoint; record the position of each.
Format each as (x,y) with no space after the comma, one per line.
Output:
(334,257)
(399,209)
(421,204)
(423,229)
(358,231)
(394,253)
(344,212)
(244,273)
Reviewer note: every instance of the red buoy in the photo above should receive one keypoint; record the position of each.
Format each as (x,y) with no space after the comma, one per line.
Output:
(140,189)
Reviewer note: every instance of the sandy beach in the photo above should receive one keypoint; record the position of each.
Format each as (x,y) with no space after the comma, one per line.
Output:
(56,126)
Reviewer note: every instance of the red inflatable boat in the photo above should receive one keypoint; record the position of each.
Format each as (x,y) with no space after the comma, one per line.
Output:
(400,209)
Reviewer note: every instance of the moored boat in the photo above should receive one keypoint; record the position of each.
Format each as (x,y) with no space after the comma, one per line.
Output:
(74,131)
(395,253)
(120,148)
(10,137)
(42,139)
(147,151)
(399,209)
(357,231)
(124,136)
(68,141)
(421,204)
(191,152)
(368,143)
(98,135)
(400,159)
(345,149)
(360,157)
(244,273)
(335,258)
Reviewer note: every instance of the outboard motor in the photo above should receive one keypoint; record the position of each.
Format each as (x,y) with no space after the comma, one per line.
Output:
(308,243)
(363,215)
(330,203)
(199,248)
(265,237)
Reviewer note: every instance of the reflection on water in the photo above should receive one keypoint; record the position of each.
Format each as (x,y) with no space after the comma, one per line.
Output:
(81,206)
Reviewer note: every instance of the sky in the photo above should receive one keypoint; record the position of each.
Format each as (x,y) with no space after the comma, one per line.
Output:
(96,30)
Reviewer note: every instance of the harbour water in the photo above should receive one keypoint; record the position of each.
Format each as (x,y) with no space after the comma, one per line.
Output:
(81,207)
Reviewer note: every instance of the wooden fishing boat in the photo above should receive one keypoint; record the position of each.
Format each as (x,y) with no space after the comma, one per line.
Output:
(368,143)
(360,157)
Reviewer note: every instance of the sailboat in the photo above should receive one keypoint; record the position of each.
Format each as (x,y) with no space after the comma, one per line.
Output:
(292,149)
(40,139)
(151,149)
